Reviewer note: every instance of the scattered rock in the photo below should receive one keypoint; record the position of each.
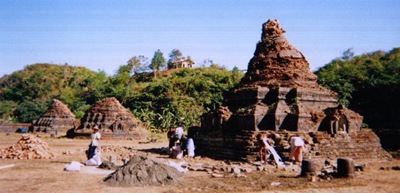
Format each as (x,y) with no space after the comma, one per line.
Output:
(240,176)
(214,175)
(313,178)
(108,165)
(236,170)
(359,167)
(396,168)
(275,183)
(247,170)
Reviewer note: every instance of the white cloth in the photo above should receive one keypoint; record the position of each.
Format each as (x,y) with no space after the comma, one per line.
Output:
(178,166)
(95,138)
(190,147)
(297,141)
(177,152)
(73,167)
(277,158)
(265,141)
(94,161)
(179,132)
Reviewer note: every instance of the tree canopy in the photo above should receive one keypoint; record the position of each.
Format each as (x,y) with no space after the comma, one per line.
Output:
(368,83)
(157,62)
(175,97)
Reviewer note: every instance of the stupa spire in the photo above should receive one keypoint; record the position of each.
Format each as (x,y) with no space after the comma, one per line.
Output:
(276,61)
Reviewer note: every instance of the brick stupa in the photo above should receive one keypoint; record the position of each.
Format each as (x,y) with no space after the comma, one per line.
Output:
(280,96)
(113,120)
(56,117)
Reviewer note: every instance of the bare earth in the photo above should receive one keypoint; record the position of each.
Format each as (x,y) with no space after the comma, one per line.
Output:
(47,175)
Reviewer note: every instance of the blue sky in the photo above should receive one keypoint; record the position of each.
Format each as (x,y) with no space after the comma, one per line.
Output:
(102,35)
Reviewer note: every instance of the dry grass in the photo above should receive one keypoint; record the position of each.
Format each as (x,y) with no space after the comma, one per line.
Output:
(48,175)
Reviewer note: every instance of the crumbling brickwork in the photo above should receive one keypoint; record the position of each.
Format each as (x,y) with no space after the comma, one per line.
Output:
(56,117)
(280,93)
(113,120)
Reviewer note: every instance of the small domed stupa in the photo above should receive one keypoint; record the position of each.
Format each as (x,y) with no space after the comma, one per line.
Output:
(113,120)
(56,117)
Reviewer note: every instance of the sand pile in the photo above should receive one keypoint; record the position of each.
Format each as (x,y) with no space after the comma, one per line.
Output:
(142,171)
(28,147)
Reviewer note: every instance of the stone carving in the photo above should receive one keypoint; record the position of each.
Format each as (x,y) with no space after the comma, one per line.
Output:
(113,119)
(278,93)
(56,117)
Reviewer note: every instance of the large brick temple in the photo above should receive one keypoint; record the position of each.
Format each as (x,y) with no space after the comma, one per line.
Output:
(280,96)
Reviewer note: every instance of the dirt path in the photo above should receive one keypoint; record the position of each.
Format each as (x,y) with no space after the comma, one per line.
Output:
(47,175)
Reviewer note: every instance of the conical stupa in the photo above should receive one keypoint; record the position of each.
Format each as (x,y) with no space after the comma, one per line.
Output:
(277,62)
(114,120)
(280,96)
(282,93)
(56,117)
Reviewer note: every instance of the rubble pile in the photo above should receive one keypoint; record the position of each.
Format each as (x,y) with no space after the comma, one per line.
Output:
(142,171)
(120,152)
(28,147)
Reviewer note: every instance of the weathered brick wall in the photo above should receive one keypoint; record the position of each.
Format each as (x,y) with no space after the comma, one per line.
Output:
(363,144)
(61,124)
(109,136)
(13,127)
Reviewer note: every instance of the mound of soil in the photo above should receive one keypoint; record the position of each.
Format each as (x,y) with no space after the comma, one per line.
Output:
(108,165)
(142,171)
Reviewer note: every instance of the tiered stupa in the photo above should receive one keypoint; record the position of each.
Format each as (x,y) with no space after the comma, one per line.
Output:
(280,96)
(56,117)
(113,120)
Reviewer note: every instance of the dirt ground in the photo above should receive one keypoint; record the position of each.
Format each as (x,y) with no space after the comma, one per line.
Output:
(47,175)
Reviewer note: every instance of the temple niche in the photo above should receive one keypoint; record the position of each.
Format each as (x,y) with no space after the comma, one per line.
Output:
(113,120)
(56,117)
(279,96)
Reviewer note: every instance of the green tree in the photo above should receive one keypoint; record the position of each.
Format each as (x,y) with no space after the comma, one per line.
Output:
(28,111)
(157,62)
(97,87)
(368,84)
(207,63)
(348,54)
(181,97)
(136,64)
(174,56)
(6,110)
